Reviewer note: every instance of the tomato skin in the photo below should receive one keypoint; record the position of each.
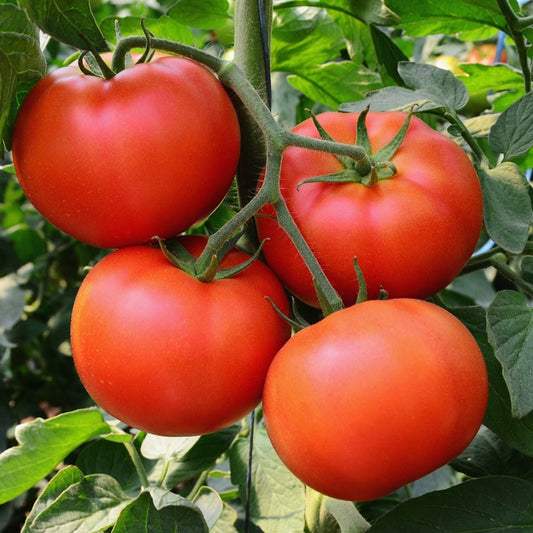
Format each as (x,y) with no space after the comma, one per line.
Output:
(168,354)
(411,233)
(375,396)
(116,162)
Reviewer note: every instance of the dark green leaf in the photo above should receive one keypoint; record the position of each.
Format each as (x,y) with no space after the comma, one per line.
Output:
(510,331)
(202,456)
(490,455)
(22,64)
(277,496)
(440,86)
(526,267)
(491,504)
(207,15)
(106,457)
(91,504)
(43,444)
(516,432)
(388,53)
(512,136)
(69,22)
(152,514)
(426,17)
(506,206)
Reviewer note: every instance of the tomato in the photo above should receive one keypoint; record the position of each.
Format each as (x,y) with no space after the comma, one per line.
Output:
(116,162)
(375,396)
(485,54)
(169,354)
(411,233)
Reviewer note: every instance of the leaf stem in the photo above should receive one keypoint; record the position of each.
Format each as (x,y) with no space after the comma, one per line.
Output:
(136,459)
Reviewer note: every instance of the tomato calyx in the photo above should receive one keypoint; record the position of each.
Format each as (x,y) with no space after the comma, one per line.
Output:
(181,258)
(369,169)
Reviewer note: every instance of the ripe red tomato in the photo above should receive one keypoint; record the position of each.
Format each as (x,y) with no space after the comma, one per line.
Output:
(485,54)
(411,233)
(375,396)
(115,162)
(172,355)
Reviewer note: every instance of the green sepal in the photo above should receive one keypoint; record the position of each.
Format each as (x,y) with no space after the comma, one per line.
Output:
(344,176)
(387,152)
(296,325)
(362,293)
(178,255)
(233,271)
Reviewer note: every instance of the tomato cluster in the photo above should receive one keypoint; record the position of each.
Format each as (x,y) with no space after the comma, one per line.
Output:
(358,404)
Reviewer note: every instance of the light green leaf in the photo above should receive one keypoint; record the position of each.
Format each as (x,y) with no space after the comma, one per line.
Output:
(506,206)
(510,332)
(169,448)
(321,83)
(512,136)
(22,64)
(12,303)
(143,515)
(277,496)
(207,15)
(329,515)
(43,445)
(69,22)
(496,504)
(303,38)
(210,503)
(490,78)
(427,17)
(162,27)
(91,504)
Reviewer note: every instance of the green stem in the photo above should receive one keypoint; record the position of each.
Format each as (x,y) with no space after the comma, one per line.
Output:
(514,26)
(479,155)
(198,485)
(135,457)
(508,273)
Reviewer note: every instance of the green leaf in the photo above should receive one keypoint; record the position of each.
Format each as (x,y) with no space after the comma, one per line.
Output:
(106,457)
(489,455)
(496,503)
(507,206)
(168,448)
(58,484)
(69,22)
(526,266)
(210,503)
(207,15)
(43,445)
(200,457)
(12,303)
(517,432)
(388,53)
(321,83)
(490,77)
(277,497)
(440,85)
(91,504)
(162,27)
(427,17)
(150,513)
(329,515)
(22,64)
(512,136)
(303,38)
(393,99)
(510,332)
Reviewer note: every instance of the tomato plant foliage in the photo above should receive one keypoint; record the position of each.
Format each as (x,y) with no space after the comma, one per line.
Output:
(375,415)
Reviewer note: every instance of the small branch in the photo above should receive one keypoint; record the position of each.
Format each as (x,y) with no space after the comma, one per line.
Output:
(141,472)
